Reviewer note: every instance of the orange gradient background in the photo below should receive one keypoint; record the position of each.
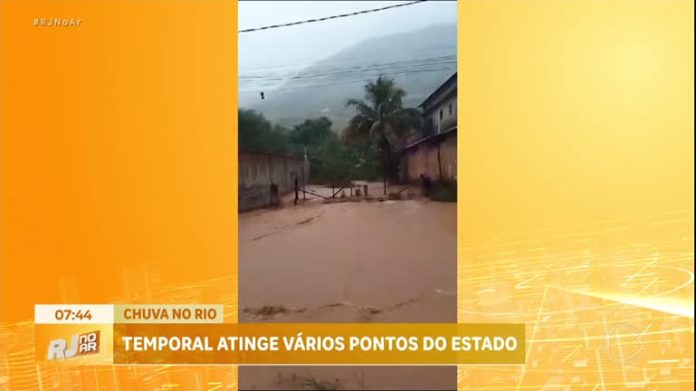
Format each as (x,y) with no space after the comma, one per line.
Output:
(573,112)
(118,173)
(118,149)
(576,189)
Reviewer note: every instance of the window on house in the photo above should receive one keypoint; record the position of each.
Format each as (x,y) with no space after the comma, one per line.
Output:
(440,113)
(450,109)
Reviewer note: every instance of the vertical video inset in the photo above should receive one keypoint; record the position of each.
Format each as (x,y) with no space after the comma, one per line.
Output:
(347,175)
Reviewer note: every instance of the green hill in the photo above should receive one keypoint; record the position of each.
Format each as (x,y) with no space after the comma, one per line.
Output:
(419,61)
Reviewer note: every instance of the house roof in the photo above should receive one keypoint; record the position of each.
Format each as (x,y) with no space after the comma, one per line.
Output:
(290,155)
(433,138)
(440,91)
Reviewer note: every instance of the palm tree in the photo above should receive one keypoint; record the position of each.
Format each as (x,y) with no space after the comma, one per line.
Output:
(381,120)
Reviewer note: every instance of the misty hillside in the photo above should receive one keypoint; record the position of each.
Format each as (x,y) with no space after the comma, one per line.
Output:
(419,61)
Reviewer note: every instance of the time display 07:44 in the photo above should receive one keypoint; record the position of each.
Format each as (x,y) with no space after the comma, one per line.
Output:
(69,314)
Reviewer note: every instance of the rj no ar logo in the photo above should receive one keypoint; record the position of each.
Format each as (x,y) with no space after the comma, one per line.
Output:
(81,344)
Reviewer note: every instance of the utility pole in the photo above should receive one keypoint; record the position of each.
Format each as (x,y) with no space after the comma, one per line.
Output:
(305,174)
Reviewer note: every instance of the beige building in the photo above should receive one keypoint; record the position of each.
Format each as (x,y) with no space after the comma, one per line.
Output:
(435,155)
(257,170)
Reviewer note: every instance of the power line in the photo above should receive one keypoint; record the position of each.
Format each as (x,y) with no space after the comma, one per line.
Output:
(274,26)
(348,80)
(355,79)
(320,69)
(433,50)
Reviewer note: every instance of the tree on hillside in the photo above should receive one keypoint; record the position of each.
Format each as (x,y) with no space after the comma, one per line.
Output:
(312,136)
(311,132)
(257,134)
(336,162)
(382,120)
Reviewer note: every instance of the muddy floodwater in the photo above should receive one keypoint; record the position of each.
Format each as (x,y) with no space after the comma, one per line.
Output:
(369,261)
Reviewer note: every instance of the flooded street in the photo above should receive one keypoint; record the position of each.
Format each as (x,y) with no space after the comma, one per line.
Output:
(369,261)
(390,261)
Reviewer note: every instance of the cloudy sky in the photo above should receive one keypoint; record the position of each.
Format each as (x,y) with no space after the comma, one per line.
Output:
(289,49)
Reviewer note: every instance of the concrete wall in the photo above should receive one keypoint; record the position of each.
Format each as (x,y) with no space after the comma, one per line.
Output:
(423,159)
(435,156)
(448,157)
(258,170)
(449,115)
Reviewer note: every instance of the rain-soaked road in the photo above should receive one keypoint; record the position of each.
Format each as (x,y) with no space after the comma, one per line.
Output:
(390,261)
